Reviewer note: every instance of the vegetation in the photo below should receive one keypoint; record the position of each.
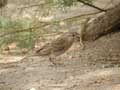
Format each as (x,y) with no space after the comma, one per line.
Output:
(27,39)
(23,39)
(71,2)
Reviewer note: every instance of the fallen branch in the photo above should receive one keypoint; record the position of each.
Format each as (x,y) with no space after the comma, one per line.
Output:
(46,24)
(91,5)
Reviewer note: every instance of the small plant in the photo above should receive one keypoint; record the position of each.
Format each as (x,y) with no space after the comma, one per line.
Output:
(23,39)
(69,3)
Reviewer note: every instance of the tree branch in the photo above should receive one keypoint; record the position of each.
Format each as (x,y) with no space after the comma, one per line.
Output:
(23,30)
(91,5)
(43,25)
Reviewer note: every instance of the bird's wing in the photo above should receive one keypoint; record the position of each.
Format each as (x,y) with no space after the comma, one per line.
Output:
(45,50)
(59,44)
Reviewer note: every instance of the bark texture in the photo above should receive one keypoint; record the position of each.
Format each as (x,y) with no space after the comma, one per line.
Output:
(102,23)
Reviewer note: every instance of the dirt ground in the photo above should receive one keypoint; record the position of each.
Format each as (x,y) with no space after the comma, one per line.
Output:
(94,68)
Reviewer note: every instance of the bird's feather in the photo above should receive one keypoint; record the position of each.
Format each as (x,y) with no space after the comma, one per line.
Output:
(57,46)
(45,50)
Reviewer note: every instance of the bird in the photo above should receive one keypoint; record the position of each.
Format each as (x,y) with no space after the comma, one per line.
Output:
(58,46)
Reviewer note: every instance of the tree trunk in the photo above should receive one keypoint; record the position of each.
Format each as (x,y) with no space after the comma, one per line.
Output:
(102,23)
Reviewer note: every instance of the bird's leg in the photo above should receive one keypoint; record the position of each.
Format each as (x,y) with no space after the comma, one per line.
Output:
(51,59)
(54,62)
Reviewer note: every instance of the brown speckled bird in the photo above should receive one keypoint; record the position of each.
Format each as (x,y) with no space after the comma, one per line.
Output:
(58,46)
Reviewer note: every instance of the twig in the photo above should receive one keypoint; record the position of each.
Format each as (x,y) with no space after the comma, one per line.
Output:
(23,30)
(84,27)
(91,5)
(46,24)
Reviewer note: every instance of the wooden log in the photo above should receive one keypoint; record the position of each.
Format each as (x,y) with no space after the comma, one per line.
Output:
(102,23)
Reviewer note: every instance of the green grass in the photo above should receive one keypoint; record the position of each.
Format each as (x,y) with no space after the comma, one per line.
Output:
(23,39)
